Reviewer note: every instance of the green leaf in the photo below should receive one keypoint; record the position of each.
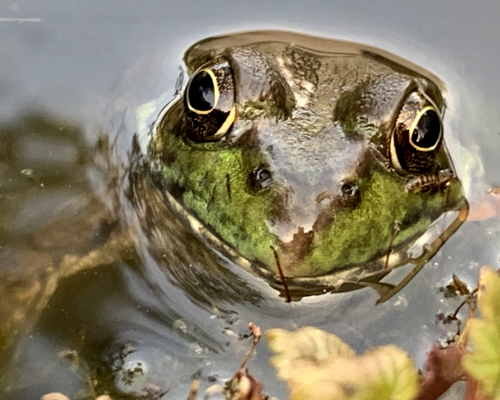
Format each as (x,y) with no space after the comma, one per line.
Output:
(488,297)
(483,363)
(318,365)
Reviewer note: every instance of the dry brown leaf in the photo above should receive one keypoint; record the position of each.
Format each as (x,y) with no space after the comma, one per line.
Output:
(442,370)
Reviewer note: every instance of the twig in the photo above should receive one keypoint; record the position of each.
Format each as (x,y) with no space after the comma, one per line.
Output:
(193,392)
(395,230)
(443,369)
(472,391)
(447,195)
(464,302)
(256,339)
(214,390)
(282,276)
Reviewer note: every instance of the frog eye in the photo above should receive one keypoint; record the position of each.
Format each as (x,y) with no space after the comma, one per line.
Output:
(209,101)
(425,131)
(202,92)
(416,139)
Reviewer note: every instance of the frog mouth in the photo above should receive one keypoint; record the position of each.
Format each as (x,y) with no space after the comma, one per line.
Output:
(414,253)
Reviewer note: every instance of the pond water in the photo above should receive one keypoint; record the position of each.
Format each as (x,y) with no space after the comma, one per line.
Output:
(72,77)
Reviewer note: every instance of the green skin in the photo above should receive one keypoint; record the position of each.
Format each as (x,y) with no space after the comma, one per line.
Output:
(315,119)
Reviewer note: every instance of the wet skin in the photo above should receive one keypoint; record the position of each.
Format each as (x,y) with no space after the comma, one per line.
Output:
(317,149)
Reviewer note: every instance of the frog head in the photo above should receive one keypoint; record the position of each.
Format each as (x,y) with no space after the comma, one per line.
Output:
(317,157)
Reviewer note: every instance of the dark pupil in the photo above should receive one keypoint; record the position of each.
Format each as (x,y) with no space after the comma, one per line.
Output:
(427,131)
(201,92)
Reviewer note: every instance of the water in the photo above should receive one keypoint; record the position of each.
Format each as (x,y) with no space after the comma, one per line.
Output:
(74,71)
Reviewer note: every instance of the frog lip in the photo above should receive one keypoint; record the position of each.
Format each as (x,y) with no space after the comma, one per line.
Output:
(348,278)
(414,251)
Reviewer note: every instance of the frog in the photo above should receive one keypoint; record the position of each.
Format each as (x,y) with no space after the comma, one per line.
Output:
(315,164)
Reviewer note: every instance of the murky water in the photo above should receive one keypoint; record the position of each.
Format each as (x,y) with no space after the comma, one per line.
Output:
(71,79)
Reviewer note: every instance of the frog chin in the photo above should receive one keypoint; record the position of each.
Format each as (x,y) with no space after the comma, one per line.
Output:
(414,253)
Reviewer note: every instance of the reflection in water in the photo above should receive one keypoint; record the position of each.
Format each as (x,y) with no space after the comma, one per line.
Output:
(45,213)
(48,220)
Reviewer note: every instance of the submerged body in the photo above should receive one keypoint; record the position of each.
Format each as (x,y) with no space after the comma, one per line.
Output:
(322,151)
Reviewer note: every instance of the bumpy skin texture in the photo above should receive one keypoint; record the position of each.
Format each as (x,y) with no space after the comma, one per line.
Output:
(316,120)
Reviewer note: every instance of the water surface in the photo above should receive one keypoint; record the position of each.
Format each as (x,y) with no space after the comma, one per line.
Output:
(71,79)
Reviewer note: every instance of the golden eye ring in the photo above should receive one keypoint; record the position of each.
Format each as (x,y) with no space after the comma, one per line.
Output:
(414,129)
(209,101)
(200,75)
(416,138)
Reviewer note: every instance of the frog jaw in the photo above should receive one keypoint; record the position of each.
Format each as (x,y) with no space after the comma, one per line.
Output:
(416,252)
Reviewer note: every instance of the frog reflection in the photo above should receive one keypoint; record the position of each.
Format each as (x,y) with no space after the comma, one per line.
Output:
(324,151)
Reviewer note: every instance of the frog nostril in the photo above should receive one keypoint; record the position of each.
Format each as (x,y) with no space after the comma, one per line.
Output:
(349,189)
(350,194)
(260,178)
(264,176)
